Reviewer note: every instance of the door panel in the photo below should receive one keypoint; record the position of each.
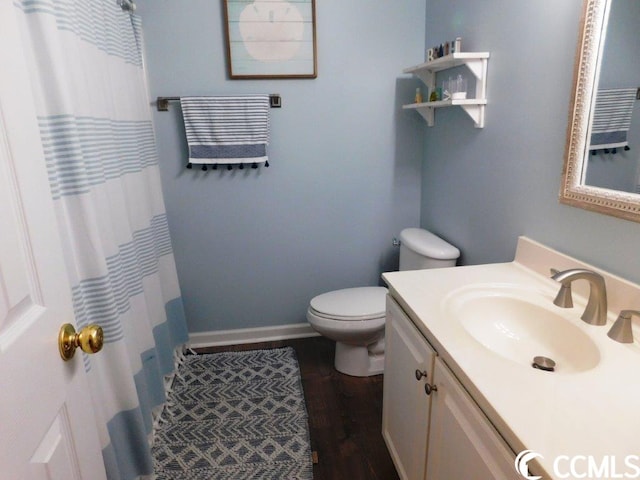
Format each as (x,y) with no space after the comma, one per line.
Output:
(47,425)
(54,457)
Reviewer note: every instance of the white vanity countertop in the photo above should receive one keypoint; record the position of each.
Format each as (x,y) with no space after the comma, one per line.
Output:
(591,413)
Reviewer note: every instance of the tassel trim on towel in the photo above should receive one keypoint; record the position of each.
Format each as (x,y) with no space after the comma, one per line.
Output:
(241,166)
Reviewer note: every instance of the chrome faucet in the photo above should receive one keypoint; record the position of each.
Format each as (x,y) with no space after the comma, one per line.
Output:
(596,311)
(621,330)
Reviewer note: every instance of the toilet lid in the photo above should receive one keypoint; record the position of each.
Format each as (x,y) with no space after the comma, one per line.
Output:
(361,303)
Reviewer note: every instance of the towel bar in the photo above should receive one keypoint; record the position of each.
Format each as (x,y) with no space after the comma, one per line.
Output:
(162,103)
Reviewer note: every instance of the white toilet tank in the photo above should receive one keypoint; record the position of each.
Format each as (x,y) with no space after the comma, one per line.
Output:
(420,249)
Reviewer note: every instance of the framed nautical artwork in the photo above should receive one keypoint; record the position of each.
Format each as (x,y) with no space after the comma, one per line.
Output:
(271,38)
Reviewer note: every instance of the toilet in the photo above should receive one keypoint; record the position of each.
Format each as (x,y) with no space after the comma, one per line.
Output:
(355,317)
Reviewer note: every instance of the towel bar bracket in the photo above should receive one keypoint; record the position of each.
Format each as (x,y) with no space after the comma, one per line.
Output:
(162,103)
(275,101)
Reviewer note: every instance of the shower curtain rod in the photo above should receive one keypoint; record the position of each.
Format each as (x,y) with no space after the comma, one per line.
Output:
(127,5)
(162,103)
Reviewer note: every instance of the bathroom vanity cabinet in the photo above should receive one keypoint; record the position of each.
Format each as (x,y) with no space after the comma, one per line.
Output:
(432,427)
(476,331)
(474,107)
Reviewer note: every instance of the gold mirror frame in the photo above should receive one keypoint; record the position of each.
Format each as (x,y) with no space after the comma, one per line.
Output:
(573,191)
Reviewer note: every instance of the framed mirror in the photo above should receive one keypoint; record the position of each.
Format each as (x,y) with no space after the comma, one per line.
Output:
(582,185)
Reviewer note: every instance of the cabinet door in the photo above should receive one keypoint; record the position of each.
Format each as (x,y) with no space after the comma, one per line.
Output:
(462,442)
(405,408)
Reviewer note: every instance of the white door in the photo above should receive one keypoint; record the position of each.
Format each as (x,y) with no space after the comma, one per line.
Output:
(47,430)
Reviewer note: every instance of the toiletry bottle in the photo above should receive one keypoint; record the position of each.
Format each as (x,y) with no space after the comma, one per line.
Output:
(459,88)
(446,89)
(458,46)
(418,97)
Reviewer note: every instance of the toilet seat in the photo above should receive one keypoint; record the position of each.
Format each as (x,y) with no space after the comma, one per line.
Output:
(350,304)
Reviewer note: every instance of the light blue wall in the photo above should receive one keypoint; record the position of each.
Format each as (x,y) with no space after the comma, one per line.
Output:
(252,247)
(484,188)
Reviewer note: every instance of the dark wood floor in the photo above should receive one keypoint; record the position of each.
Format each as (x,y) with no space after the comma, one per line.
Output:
(345,413)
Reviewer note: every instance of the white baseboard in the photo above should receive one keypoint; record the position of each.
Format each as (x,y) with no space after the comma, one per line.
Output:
(250,335)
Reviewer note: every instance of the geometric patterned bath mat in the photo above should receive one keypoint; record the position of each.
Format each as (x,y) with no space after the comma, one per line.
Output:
(235,416)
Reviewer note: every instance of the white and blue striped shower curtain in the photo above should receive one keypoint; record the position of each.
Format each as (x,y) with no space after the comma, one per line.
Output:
(85,57)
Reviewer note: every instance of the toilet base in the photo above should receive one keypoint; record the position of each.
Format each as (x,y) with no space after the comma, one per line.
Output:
(358,361)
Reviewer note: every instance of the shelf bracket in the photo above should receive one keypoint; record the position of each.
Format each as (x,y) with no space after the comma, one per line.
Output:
(478,67)
(428,77)
(476,112)
(428,115)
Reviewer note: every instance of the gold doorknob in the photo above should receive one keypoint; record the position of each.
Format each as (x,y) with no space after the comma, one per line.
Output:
(90,340)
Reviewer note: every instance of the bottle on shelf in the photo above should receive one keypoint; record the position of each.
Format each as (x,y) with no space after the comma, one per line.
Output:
(418,96)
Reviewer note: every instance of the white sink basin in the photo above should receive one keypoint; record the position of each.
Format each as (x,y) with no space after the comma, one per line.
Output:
(518,325)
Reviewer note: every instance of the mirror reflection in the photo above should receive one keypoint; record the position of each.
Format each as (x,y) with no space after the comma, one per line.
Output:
(612,159)
(600,64)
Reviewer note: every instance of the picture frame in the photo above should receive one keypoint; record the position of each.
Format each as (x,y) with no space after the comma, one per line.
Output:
(271,38)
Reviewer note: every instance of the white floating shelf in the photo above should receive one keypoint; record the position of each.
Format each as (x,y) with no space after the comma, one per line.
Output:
(447,103)
(450,61)
(477,64)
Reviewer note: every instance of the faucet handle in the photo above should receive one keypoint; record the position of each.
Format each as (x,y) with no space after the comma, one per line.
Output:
(621,330)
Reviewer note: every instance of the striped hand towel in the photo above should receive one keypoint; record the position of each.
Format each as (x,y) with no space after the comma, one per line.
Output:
(612,118)
(226,130)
